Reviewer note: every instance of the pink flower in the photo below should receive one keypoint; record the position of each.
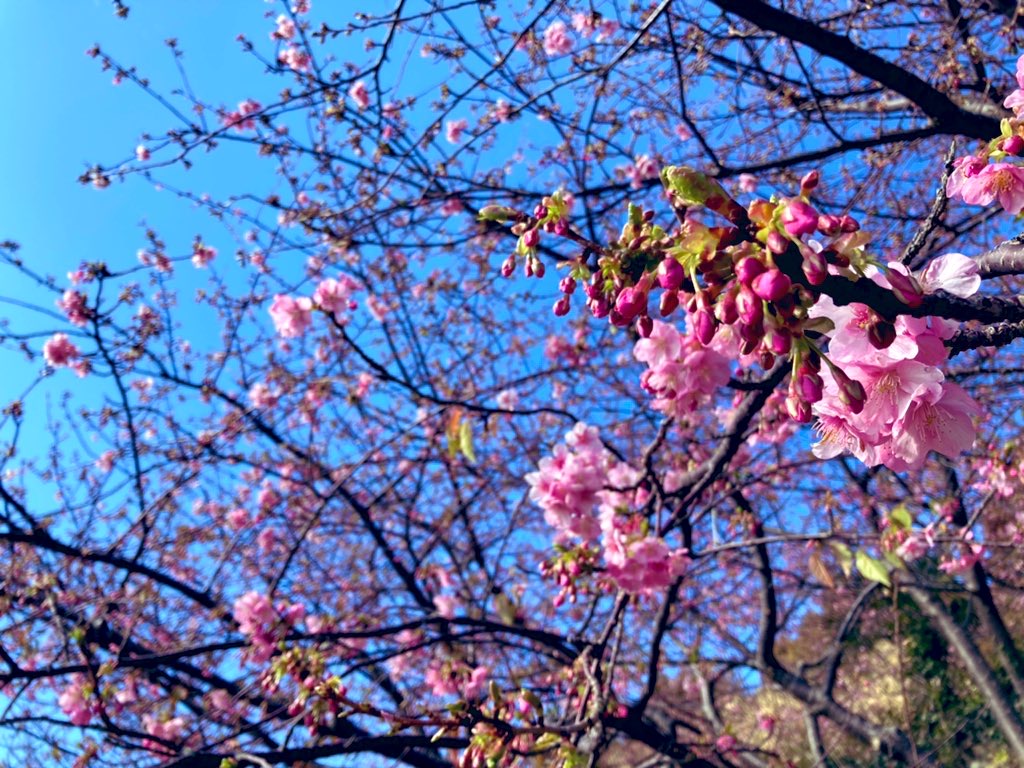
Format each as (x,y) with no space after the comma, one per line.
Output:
(242,118)
(335,296)
(453,130)
(202,255)
(507,399)
(74,305)
(75,701)
(747,182)
(644,167)
(261,397)
(359,94)
(557,41)
(935,422)
(502,111)
(285,28)
(58,351)
(1001,181)
(142,153)
(291,316)
(295,58)
(583,23)
(664,345)
(953,273)
(605,29)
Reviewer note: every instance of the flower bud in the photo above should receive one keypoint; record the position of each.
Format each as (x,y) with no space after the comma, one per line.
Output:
(813,265)
(644,326)
(779,340)
(599,307)
(776,242)
(538,268)
(508,266)
(704,326)
(829,225)
(669,303)
(766,359)
(905,287)
(809,181)
(809,386)
(725,309)
(567,285)
(881,334)
(561,307)
(851,392)
(749,308)
(798,410)
(531,238)
(771,285)
(632,301)
(1012,145)
(671,274)
(497,213)
(848,224)
(748,268)
(799,219)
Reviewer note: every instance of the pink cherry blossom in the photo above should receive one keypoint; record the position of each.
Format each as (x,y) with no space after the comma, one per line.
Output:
(953,273)
(285,28)
(74,305)
(75,701)
(453,130)
(291,316)
(557,41)
(295,58)
(359,94)
(1002,181)
(202,255)
(58,351)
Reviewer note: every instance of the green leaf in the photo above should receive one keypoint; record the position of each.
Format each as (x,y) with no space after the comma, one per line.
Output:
(900,517)
(547,741)
(844,556)
(466,441)
(872,569)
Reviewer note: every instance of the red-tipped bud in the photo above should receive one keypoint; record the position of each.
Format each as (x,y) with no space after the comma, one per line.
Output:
(905,287)
(1012,145)
(725,309)
(779,340)
(669,303)
(671,274)
(814,266)
(747,346)
(766,359)
(810,386)
(531,238)
(848,224)
(881,334)
(599,307)
(829,225)
(508,266)
(748,268)
(798,410)
(631,303)
(851,392)
(749,308)
(561,307)
(644,326)
(567,285)
(809,181)
(771,285)
(538,268)
(704,326)
(799,219)
(776,242)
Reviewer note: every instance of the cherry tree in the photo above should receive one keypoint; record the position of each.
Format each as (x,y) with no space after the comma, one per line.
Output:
(579,384)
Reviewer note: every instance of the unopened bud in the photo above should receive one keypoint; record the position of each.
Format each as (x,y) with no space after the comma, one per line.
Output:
(669,303)
(771,285)
(798,410)
(497,213)
(799,218)
(881,334)
(644,326)
(1012,145)
(809,181)
(561,307)
(748,268)
(704,326)
(508,266)
(671,274)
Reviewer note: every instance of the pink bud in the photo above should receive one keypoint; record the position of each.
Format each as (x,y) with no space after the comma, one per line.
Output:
(799,218)
(508,266)
(671,274)
(881,334)
(771,285)
(776,242)
(905,287)
(725,309)
(632,301)
(561,308)
(1012,145)
(848,224)
(809,181)
(749,308)
(669,303)
(779,340)
(798,410)
(748,268)
(725,742)
(810,386)
(766,723)
(567,285)
(704,326)
(599,307)
(829,225)
(813,265)
(644,326)
(851,392)
(531,238)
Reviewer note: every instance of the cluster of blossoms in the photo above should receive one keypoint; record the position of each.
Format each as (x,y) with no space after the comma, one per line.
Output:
(751,292)
(988,176)
(585,492)
(78,702)
(242,118)
(60,352)
(264,624)
(908,408)
(292,316)
(202,255)
(455,678)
